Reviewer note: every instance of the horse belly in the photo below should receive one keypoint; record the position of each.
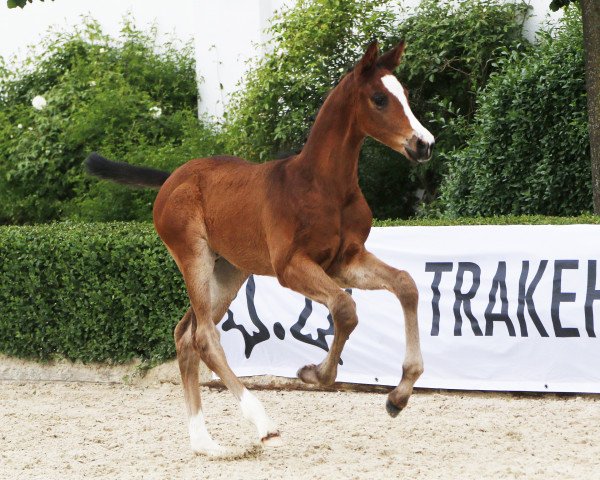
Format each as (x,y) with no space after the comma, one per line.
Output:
(240,240)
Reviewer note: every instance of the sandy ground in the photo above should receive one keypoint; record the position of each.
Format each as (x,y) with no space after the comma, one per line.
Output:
(61,430)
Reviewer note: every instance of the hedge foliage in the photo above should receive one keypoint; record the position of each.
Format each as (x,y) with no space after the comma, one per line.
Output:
(495,220)
(509,118)
(528,151)
(127,98)
(94,292)
(110,292)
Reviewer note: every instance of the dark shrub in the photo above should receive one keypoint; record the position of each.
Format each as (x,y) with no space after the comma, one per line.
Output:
(528,152)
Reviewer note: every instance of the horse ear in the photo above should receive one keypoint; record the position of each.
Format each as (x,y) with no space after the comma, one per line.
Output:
(391,58)
(369,59)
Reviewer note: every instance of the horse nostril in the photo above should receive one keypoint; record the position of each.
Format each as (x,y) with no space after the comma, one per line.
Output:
(423,148)
(430,149)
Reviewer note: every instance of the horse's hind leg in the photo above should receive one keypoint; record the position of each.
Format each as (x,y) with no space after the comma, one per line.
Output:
(212,285)
(224,285)
(188,358)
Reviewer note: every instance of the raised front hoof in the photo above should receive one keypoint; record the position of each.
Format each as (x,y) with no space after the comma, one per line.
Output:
(392,409)
(310,374)
(272,440)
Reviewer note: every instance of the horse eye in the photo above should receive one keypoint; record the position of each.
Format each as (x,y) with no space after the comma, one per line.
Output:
(380,100)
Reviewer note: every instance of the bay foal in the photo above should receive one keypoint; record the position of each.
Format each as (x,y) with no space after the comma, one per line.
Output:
(302,219)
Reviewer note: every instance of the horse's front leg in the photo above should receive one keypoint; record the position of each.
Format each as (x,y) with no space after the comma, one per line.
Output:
(365,271)
(304,276)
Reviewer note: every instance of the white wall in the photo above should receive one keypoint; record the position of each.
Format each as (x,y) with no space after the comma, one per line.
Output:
(22,27)
(541,14)
(227,32)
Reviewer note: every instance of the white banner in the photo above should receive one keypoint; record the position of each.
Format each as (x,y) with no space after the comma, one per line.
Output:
(501,308)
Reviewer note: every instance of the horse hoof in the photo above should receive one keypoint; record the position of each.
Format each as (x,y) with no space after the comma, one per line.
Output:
(392,409)
(214,451)
(272,440)
(308,374)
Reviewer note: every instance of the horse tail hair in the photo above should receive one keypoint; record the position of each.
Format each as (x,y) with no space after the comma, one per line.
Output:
(124,173)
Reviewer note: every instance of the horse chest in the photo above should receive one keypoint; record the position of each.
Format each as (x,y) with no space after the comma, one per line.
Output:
(319,220)
(326,240)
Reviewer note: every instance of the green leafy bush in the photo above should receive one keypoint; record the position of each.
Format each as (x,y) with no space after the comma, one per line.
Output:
(450,54)
(93,292)
(128,99)
(453,47)
(529,149)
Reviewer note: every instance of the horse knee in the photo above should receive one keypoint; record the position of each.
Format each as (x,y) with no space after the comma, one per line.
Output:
(406,290)
(343,310)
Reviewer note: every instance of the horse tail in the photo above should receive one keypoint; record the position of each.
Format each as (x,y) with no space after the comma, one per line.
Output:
(124,173)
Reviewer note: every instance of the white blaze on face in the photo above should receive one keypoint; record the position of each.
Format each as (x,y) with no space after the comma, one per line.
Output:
(395,88)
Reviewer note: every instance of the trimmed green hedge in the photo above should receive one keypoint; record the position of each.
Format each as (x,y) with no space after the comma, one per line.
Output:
(110,292)
(498,220)
(92,292)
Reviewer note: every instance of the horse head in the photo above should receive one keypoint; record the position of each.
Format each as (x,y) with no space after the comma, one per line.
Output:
(382,108)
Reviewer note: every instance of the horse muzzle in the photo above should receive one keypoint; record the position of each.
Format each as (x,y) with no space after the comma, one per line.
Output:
(419,150)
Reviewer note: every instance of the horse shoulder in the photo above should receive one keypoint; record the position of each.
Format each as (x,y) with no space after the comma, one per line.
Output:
(357,218)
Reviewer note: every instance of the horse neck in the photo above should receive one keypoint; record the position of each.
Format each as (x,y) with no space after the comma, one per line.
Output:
(333,145)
